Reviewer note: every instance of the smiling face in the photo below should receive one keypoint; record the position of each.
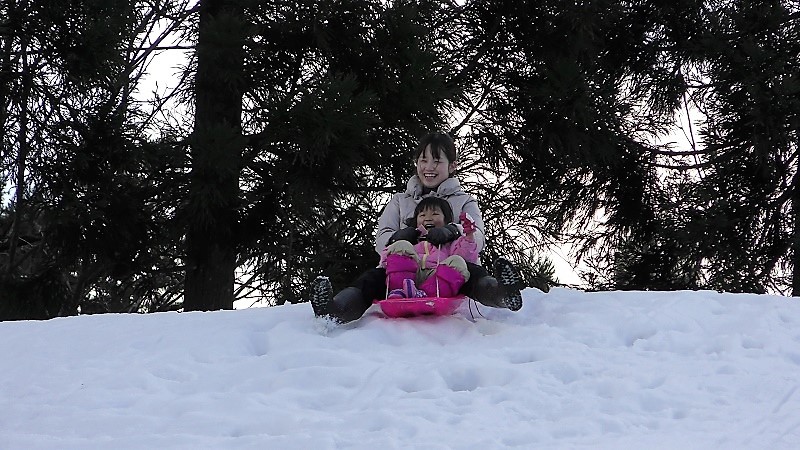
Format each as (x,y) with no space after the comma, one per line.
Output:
(430,217)
(433,171)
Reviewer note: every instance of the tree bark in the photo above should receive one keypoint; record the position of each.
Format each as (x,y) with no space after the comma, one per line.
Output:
(22,157)
(216,149)
(795,187)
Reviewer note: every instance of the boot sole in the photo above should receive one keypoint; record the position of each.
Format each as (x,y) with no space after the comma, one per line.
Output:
(511,280)
(321,295)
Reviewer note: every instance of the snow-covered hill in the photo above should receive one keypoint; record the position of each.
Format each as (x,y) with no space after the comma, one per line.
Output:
(677,370)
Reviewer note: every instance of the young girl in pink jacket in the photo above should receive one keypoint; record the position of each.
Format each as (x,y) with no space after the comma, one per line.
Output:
(438,270)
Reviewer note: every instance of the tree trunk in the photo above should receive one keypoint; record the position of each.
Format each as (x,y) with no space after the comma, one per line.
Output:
(22,157)
(795,187)
(216,149)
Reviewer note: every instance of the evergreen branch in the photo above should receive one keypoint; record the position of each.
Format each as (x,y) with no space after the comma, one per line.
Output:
(475,107)
(161,101)
(142,48)
(664,152)
(681,166)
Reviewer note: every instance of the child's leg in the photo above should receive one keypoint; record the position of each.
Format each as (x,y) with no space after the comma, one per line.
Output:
(448,277)
(500,292)
(350,303)
(401,264)
(476,273)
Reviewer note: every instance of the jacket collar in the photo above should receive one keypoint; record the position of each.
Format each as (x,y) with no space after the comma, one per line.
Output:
(448,187)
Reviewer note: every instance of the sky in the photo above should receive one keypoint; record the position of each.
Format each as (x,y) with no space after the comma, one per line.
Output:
(575,370)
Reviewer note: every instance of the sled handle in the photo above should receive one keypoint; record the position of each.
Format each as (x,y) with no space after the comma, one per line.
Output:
(438,256)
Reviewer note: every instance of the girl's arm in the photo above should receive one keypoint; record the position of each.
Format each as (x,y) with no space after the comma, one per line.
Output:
(465,248)
(388,223)
(471,208)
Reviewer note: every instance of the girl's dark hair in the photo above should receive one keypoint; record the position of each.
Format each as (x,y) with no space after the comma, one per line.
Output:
(440,142)
(430,203)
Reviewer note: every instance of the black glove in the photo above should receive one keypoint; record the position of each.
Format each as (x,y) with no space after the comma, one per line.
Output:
(442,235)
(405,234)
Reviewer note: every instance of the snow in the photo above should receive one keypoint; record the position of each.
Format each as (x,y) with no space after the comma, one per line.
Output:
(655,370)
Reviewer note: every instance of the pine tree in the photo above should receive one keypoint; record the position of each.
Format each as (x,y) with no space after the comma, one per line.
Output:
(213,200)
(751,137)
(325,150)
(83,219)
(561,120)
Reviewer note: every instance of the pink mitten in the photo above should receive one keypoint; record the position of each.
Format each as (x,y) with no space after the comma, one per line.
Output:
(467,222)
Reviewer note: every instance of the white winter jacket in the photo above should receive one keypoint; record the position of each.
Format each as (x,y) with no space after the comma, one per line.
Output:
(402,205)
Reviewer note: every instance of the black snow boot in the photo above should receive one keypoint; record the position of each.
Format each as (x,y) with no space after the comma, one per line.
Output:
(511,282)
(321,296)
(503,291)
(347,306)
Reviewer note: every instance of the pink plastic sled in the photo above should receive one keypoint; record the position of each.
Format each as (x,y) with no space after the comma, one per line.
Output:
(423,306)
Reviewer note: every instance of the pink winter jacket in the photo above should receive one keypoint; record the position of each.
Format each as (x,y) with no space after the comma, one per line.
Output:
(430,255)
